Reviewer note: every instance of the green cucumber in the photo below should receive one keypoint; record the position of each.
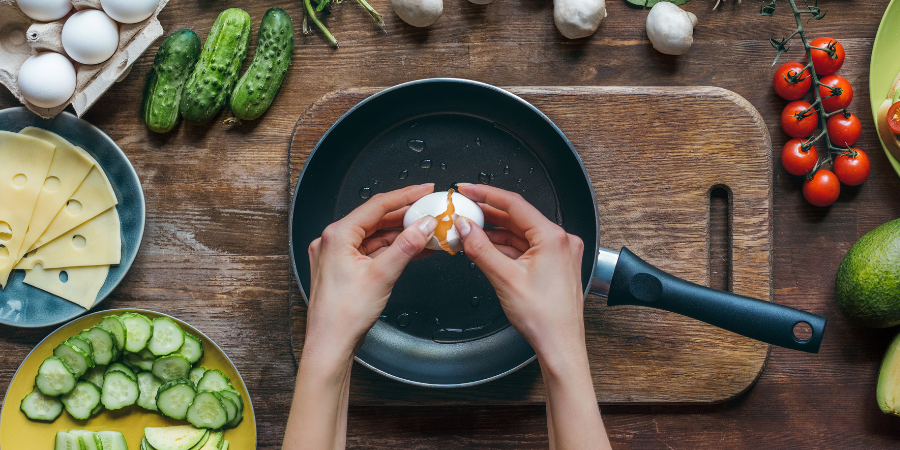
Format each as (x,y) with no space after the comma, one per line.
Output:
(213,380)
(103,343)
(138,330)
(121,368)
(212,81)
(167,337)
(65,441)
(112,440)
(207,411)
(54,378)
(192,348)
(174,62)
(148,385)
(82,400)
(114,324)
(173,399)
(179,437)
(118,391)
(259,85)
(37,406)
(171,367)
(95,375)
(196,374)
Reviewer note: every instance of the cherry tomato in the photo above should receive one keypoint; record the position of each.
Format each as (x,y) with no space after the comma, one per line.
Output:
(844,131)
(852,170)
(837,95)
(797,120)
(893,117)
(791,81)
(795,160)
(822,189)
(824,63)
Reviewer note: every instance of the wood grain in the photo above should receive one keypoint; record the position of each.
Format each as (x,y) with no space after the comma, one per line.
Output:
(215,253)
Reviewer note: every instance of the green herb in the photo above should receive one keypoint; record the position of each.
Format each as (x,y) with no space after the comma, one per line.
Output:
(325,5)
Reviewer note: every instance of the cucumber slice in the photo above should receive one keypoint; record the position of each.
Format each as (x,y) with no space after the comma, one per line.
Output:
(138,330)
(171,367)
(214,380)
(98,408)
(141,361)
(148,385)
(146,445)
(82,400)
(112,440)
(224,446)
(54,378)
(207,411)
(119,367)
(215,441)
(235,397)
(167,337)
(89,438)
(202,442)
(192,348)
(65,441)
(196,374)
(173,399)
(82,344)
(230,407)
(114,324)
(95,375)
(75,359)
(103,342)
(37,406)
(182,437)
(118,391)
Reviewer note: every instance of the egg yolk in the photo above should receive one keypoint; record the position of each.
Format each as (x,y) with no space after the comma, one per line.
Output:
(445,223)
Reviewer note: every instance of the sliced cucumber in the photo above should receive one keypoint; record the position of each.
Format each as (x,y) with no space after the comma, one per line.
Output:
(215,441)
(82,400)
(148,385)
(65,441)
(224,446)
(82,344)
(214,380)
(114,324)
(235,397)
(98,408)
(103,342)
(89,438)
(207,411)
(141,361)
(146,445)
(95,375)
(54,378)
(192,348)
(119,367)
(173,399)
(118,391)
(202,442)
(181,437)
(76,360)
(230,407)
(138,330)
(167,337)
(37,406)
(112,440)
(196,374)
(171,367)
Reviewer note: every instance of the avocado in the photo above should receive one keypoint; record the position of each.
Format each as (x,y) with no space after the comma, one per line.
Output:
(867,286)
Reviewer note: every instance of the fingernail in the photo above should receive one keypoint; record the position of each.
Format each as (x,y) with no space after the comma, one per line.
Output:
(427,184)
(427,224)
(463,184)
(462,226)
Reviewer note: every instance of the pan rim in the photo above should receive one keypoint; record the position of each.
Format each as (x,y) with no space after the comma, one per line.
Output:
(386,91)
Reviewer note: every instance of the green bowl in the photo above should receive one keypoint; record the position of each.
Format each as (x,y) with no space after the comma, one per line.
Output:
(885,64)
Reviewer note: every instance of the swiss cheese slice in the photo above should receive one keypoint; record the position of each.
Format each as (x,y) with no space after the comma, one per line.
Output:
(69,168)
(24,163)
(97,242)
(79,285)
(94,196)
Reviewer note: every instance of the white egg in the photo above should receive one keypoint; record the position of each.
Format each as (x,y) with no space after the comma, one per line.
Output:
(90,36)
(45,10)
(436,204)
(47,79)
(129,11)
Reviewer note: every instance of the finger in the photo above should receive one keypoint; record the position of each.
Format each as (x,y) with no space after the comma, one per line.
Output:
(499,218)
(424,254)
(511,252)
(408,244)
(379,239)
(393,219)
(481,251)
(370,213)
(507,238)
(521,213)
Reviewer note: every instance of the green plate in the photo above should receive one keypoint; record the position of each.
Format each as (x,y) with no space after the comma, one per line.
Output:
(885,64)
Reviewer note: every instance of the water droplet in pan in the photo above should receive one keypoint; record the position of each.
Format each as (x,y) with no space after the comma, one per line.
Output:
(477,141)
(444,166)
(365,192)
(531,170)
(403,319)
(474,301)
(425,164)
(472,266)
(484,178)
(506,170)
(404,174)
(416,145)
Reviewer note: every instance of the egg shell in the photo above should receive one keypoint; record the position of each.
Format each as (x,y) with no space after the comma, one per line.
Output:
(47,79)
(436,204)
(129,11)
(90,36)
(45,10)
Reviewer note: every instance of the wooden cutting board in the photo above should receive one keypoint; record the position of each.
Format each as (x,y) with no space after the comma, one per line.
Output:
(653,155)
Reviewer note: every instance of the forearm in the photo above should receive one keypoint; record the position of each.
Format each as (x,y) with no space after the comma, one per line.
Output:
(318,416)
(573,417)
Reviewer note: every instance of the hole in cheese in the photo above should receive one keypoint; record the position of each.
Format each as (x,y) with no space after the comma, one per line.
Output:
(63,276)
(4,253)
(73,207)
(20,180)
(78,241)
(51,184)
(5,232)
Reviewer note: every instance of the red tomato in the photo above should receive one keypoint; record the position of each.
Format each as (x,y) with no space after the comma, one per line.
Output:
(893,117)
(798,120)
(791,81)
(844,131)
(795,160)
(837,94)
(852,170)
(822,189)
(824,63)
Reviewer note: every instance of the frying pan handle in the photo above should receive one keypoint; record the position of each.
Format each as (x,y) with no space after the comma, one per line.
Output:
(635,282)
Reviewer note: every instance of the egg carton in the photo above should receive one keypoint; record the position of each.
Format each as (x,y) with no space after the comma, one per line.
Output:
(21,37)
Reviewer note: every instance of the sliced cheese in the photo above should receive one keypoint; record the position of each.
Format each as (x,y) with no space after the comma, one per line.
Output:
(69,168)
(79,285)
(24,163)
(97,242)
(94,196)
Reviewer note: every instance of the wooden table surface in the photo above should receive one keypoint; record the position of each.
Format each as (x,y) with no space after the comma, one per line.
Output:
(215,248)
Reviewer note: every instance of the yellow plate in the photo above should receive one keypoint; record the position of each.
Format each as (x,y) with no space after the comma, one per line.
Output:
(885,64)
(17,432)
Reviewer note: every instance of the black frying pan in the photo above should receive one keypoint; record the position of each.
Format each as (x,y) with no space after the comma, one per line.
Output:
(443,325)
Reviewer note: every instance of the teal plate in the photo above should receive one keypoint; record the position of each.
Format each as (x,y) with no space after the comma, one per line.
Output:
(28,307)
(885,64)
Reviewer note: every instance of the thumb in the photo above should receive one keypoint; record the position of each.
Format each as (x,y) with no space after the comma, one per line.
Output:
(481,250)
(405,248)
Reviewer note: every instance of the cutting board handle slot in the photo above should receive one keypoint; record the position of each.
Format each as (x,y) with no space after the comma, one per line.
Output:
(719,244)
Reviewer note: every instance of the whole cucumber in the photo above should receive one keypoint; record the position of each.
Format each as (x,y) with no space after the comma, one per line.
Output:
(174,62)
(214,76)
(257,88)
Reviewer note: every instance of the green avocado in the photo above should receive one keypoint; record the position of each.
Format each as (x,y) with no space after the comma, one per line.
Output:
(868,281)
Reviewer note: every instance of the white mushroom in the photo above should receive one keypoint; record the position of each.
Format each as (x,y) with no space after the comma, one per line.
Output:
(670,28)
(419,13)
(578,18)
